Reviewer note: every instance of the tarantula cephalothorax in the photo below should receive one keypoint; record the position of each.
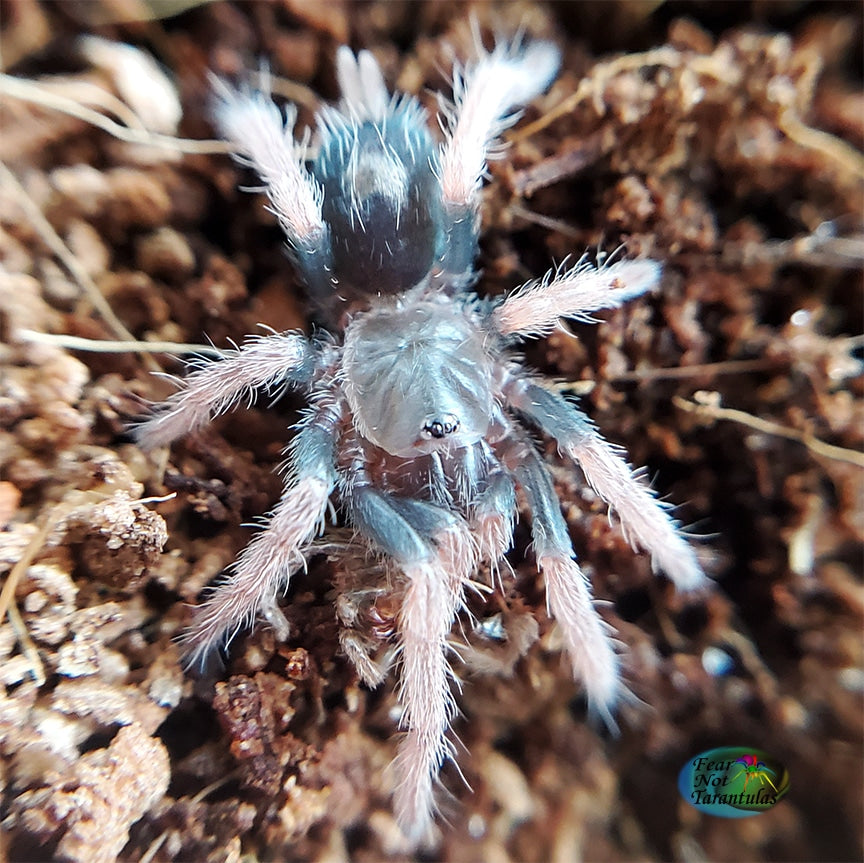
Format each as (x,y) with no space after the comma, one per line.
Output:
(418,413)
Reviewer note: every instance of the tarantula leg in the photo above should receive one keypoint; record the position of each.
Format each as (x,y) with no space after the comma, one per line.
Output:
(644,520)
(359,652)
(255,126)
(491,518)
(431,600)
(568,593)
(484,94)
(266,564)
(436,555)
(265,142)
(356,608)
(535,308)
(216,386)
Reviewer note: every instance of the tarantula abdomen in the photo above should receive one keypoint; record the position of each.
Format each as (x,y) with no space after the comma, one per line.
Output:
(379,198)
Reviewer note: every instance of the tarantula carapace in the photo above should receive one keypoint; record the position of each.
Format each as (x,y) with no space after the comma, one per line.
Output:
(419,420)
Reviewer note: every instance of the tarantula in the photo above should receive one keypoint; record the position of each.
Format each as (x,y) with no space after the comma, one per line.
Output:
(419,414)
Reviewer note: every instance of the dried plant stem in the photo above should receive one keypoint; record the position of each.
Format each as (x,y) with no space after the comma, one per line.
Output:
(815,139)
(110,346)
(64,254)
(7,594)
(28,91)
(215,785)
(299,94)
(818,251)
(153,849)
(132,130)
(791,124)
(812,443)
(728,367)
(547,222)
(588,87)
(85,95)
(27,645)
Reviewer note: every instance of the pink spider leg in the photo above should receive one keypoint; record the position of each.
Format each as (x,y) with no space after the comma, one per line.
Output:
(433,596)
(359,651)
(216,386)
(535,308)
(490,500)
(434,551)
(568,593)
(265,141)
(485,93)
(491,517)
(645,521)
(484,488)
(265,565)
(255,126)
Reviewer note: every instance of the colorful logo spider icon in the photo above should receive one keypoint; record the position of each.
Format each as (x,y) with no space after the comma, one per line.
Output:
(733,781)
(754,769)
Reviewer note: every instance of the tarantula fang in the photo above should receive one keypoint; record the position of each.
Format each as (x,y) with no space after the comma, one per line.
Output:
(419,415)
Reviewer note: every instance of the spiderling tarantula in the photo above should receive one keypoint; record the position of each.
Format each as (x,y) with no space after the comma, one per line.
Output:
(418,413)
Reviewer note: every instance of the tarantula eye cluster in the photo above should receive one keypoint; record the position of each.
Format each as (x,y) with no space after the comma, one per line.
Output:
(440,428)
(420,418)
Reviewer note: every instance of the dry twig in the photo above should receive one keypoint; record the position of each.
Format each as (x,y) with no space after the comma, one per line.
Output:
(28,91)
(110,346)
(816,446)
(54,242)
(591,87)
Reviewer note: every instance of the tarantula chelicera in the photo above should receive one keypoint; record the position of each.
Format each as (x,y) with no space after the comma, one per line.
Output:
(419,417)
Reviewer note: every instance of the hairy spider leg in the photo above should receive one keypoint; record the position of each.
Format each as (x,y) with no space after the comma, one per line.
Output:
(215,387)
(356,604)
(535,308)
(568,592)
(279,549)
(645,522)
(264,140)
(359,651)
(433,549)
(485,94)
(491,517)
(433,596)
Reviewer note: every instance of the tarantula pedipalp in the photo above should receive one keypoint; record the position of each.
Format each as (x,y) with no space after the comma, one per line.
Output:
(419,416)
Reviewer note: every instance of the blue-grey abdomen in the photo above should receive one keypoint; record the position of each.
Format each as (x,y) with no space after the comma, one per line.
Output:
(381,200)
